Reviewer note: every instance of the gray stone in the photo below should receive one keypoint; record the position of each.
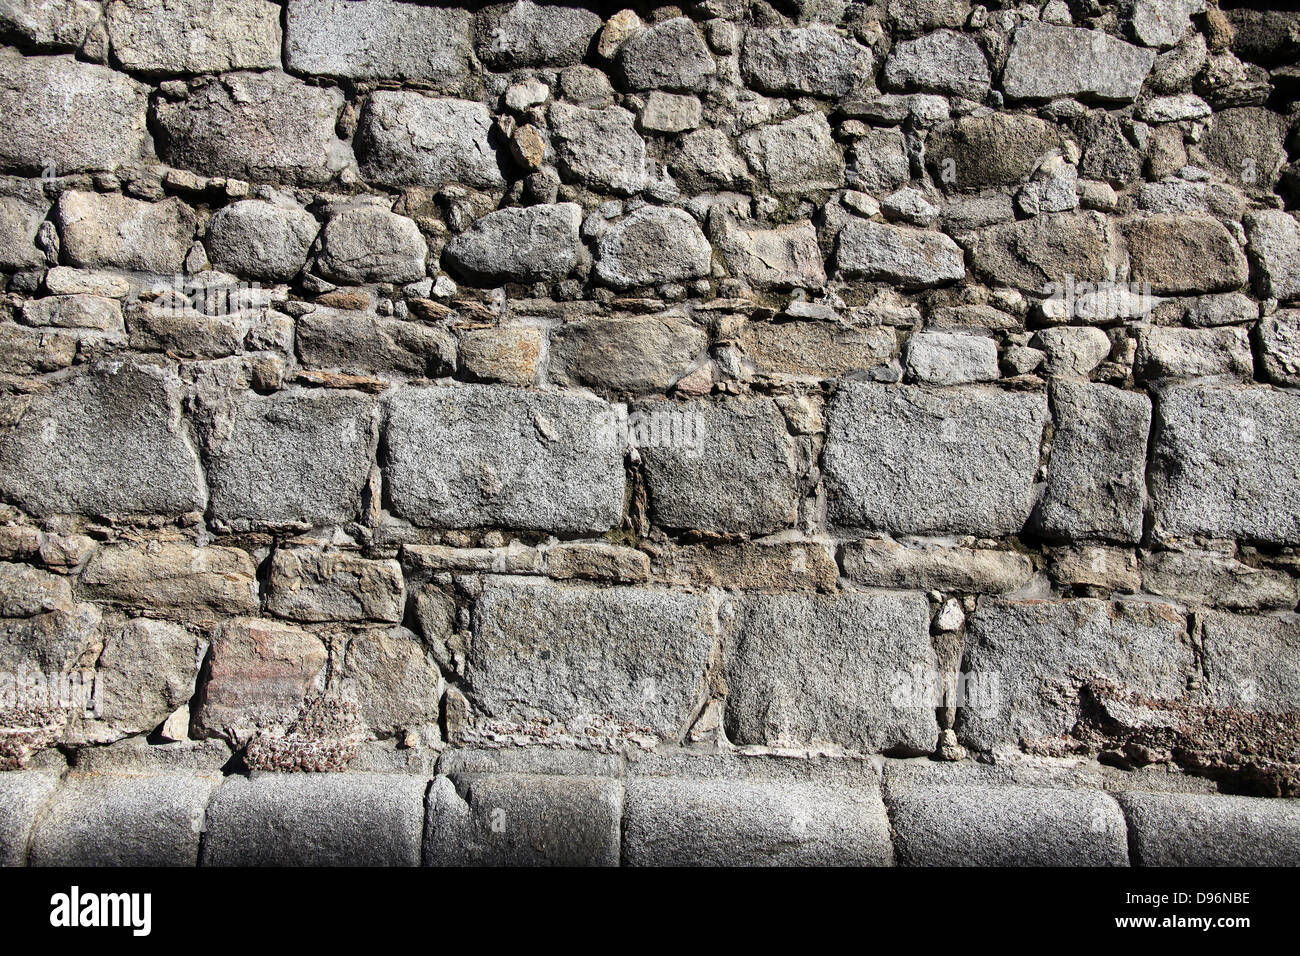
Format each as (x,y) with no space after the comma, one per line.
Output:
(670,55)
(1161,23)
(1252,662)
(1048,61)
(652,245)
(46,26)
(707,159)
(971,825)
(885,563)
(951,358)
(670,113)
(804,60)
(1210,577)
(604,666)
(796,156)
(99,230)
(682,821)
(1248,144)
(261,240)
(1227,308)
(1172,352)
(393,676)
(483,455)
(1183,197)
(1107,153)
(362,341)
(310,585)
(194,36)
(527,244)
(109,820)
(903,459)
(352,819)
(1072,351)
(23,797)
(65,116)
(265,127)
(172,579)
(379,40)
(939,62)
(1279,339)
(783,257)
(508,354)
(19,223)
(918,16)
(1273,238)
(25,351)
(146,671)
(900,255)
(1185,829)
(1182,254)
(408,139)
(294,456)
(598,148)
(26,591)
(1224,463)
(1031,253)
(370,244)
(878,161)
(836,670)
(630,354)
(109,441)
(514,35)
(818,349)
(737,476)
(1029,659)
(523,819)
(1095,476)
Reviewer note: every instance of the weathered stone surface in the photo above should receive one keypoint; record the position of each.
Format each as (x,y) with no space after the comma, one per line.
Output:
(310,585)
(49,27)
(172,580)
(804,60)
(939,62)
(337,338)
(1274,243)
(1172,352)
(598,148)
(782,257)
(1161,23)
(109,820)
(818,349)
(379,40)
(737,476)
(1048,61)
(1184,829)
(1248,145)
(911,258)
(878,161)
(1030,658)
(885,563)
(993,149)
(523,819)
(509,354)
(257,670)
(67,116)
(594,561)
(148,668)
(1107,152)
(525,244)
(1224,463)
(261,240)
(602,665)
(24,351)
(1181,254)
(19,222)
(370,244)
(1031,253)
(258,126)
(393,676)
(902,459)
(707,159)
(652,245)
(1072,351)
(1252,662)
(796,156)
(633,354)
(852,654)
(673,821)
(951,358)
(294,456)
(25,795)
(99,230)
(408,139)
(513,35)
(1095,476)
(1279,339)
(1211,577)
(752,566)
(354,819)
(670,55)
(670,113)
(108,441)
(194,36)
(26,591)
(480,455)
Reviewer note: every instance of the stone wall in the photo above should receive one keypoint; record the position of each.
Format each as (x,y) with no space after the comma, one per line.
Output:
(592,409)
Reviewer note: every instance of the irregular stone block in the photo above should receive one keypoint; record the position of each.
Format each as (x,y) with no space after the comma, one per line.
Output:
(523,819)
(1095,478)
(1161,23)
(598,148)
(298,455)
(878,161)
(68,116)
(813,671)
(804,60)
(633,354)
(1032,253)
(994,149)
(264,127)
(887,564)
(100,230)
(1252,662)
(26,591)
(49,27)
(173,578)
(1209,577)
(75,312)
(109,441)
(1182,254)
(594,561)
(652,245)
(509,36)
(1072,351)
(707,159)
(784,257)
(379,40)
(28,351)
(19,223)
(484,455)
(147,671)
(1186,829)
(22,798)
(939,62)
(309,585)
(408,139)
(819,349)
(261,240)
(1273,239)
(1279,339)
(194,36)
(670,55)
(910,258)
(737,476)
(1083,63)
(528,244)
(108,820)
(509,355)
(606,666)
(338,338)
(1172,352)
(674,821)
(1225,463)
(369,244)
(394,678)
(796,566)
(901,459)
(796,156)
(1028,660)
(670,113)
(1248,144)
(951,358)
(1096,566)
(337,819)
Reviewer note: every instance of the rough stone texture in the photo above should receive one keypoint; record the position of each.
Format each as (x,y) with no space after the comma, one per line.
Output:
(804,60)
(650,246)
(671,55)
(369,244)
(853,653)
(1279,339)
(817,349)
(939,62)
(308,585)
(796,156)
(334,338)
(1274,243)
(949,358)
(173,579)
(1184,254)
(599,148)
(407,139)
(993,149)
(1031,253)
(194,36)
(900,255)
(550,462)
(522,245)
(1253,662)
(885,563)
(1206,576)
(1048,61)
(25,796)
(1184,829)
(631,354)
(529,34)
(781,258)
(877,162)
(122,233)
(147,671)
(902,459)
(1194,353)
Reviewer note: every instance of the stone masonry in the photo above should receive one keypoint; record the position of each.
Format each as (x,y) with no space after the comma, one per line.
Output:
(773,432)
